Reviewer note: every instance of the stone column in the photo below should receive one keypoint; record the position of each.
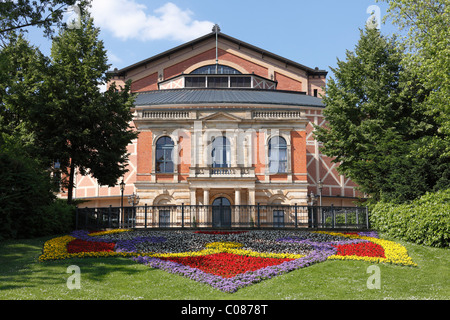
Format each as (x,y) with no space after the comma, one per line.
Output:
(251,197)
(237,202)
(205,197)
(193,196)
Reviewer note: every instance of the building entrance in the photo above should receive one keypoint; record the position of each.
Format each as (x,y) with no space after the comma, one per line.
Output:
(221,213)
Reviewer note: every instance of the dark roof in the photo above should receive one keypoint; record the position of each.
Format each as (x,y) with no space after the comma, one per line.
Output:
(226,96)
(312,71)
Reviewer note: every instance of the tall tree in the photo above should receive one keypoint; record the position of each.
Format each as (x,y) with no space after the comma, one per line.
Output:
(375,115)
(85,129)
(17,15)
(428,42)
(23,68)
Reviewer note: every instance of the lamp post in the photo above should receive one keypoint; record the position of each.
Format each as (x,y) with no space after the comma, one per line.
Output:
(312,211)
(133,200)
(122,188)
(311,198)
(320,186)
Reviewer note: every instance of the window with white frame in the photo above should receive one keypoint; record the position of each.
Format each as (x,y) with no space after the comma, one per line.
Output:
(277,155)
(221,152)
(164,159)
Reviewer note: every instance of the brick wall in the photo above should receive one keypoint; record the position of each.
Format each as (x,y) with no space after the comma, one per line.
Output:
(144,155)
(249,67)
(298,155)
(287,83)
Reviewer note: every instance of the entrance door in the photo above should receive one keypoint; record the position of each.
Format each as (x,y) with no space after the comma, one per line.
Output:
(221,213)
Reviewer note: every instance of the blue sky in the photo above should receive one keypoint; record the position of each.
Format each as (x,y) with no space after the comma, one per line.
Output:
(314,33)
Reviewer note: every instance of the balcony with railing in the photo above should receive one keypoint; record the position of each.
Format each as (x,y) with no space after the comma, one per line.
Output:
(222,172)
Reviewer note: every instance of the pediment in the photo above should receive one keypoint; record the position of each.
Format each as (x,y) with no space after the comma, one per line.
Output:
(221,116)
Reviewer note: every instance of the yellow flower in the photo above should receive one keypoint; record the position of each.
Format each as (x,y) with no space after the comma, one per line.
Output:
(101,233)
(224,245)
(394,252)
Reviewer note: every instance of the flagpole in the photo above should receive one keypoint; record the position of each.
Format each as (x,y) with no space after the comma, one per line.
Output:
(216,29)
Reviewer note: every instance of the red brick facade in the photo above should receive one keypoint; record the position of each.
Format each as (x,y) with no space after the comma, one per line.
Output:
(306,165)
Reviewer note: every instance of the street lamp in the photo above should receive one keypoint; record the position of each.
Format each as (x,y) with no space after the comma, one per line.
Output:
(133,200)
(320,186)
(122,188)
(312,197)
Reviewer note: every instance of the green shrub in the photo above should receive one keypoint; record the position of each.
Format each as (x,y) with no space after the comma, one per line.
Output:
(423,221)
(28,206)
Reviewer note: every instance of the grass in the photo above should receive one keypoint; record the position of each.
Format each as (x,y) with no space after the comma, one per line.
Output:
(23,277)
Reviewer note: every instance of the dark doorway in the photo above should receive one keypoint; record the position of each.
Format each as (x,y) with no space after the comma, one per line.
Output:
(221,213)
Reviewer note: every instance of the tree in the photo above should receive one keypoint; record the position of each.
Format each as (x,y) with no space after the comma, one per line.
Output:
(23,67)
(375,116)
(83,128)
(428,42)
(18,15)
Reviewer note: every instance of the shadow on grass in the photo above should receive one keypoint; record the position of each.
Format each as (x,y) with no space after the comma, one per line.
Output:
(20,267)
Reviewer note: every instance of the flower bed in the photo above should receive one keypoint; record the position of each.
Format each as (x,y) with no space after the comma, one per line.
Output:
(226,264)
(78,245)
(227,260)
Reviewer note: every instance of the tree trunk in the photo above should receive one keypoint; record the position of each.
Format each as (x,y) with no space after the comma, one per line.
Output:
(71,178)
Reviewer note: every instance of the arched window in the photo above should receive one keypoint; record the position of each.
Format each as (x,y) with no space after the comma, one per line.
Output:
(277,155)
(221,202)
(211,69)
(221,152)
(164,151)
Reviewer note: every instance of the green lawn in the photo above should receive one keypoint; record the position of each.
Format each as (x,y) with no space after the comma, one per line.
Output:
(23,277)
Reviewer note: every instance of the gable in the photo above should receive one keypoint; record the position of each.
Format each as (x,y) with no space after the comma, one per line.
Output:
(148,74)
(221,117)
(209,41)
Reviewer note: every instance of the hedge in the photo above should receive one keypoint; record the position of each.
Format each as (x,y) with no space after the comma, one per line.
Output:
(423,221)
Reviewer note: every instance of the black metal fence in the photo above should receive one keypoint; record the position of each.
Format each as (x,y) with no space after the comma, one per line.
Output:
(223,217)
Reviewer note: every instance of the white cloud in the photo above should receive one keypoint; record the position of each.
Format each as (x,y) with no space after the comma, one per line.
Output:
(127,19)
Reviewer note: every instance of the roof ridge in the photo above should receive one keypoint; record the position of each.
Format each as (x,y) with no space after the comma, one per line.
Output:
(122,71)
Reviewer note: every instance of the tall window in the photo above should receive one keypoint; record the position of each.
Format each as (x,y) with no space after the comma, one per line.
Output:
(164,150)
(221,153)
(277,155)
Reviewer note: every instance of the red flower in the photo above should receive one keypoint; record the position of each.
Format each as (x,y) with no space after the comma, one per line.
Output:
(362,249)
(78,245)
(227,265)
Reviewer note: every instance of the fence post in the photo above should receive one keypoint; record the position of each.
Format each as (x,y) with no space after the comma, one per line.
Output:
(357,217)
(367,217)
(145,216)
(295,207)
(182,215)
(258,217)
(333,216)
